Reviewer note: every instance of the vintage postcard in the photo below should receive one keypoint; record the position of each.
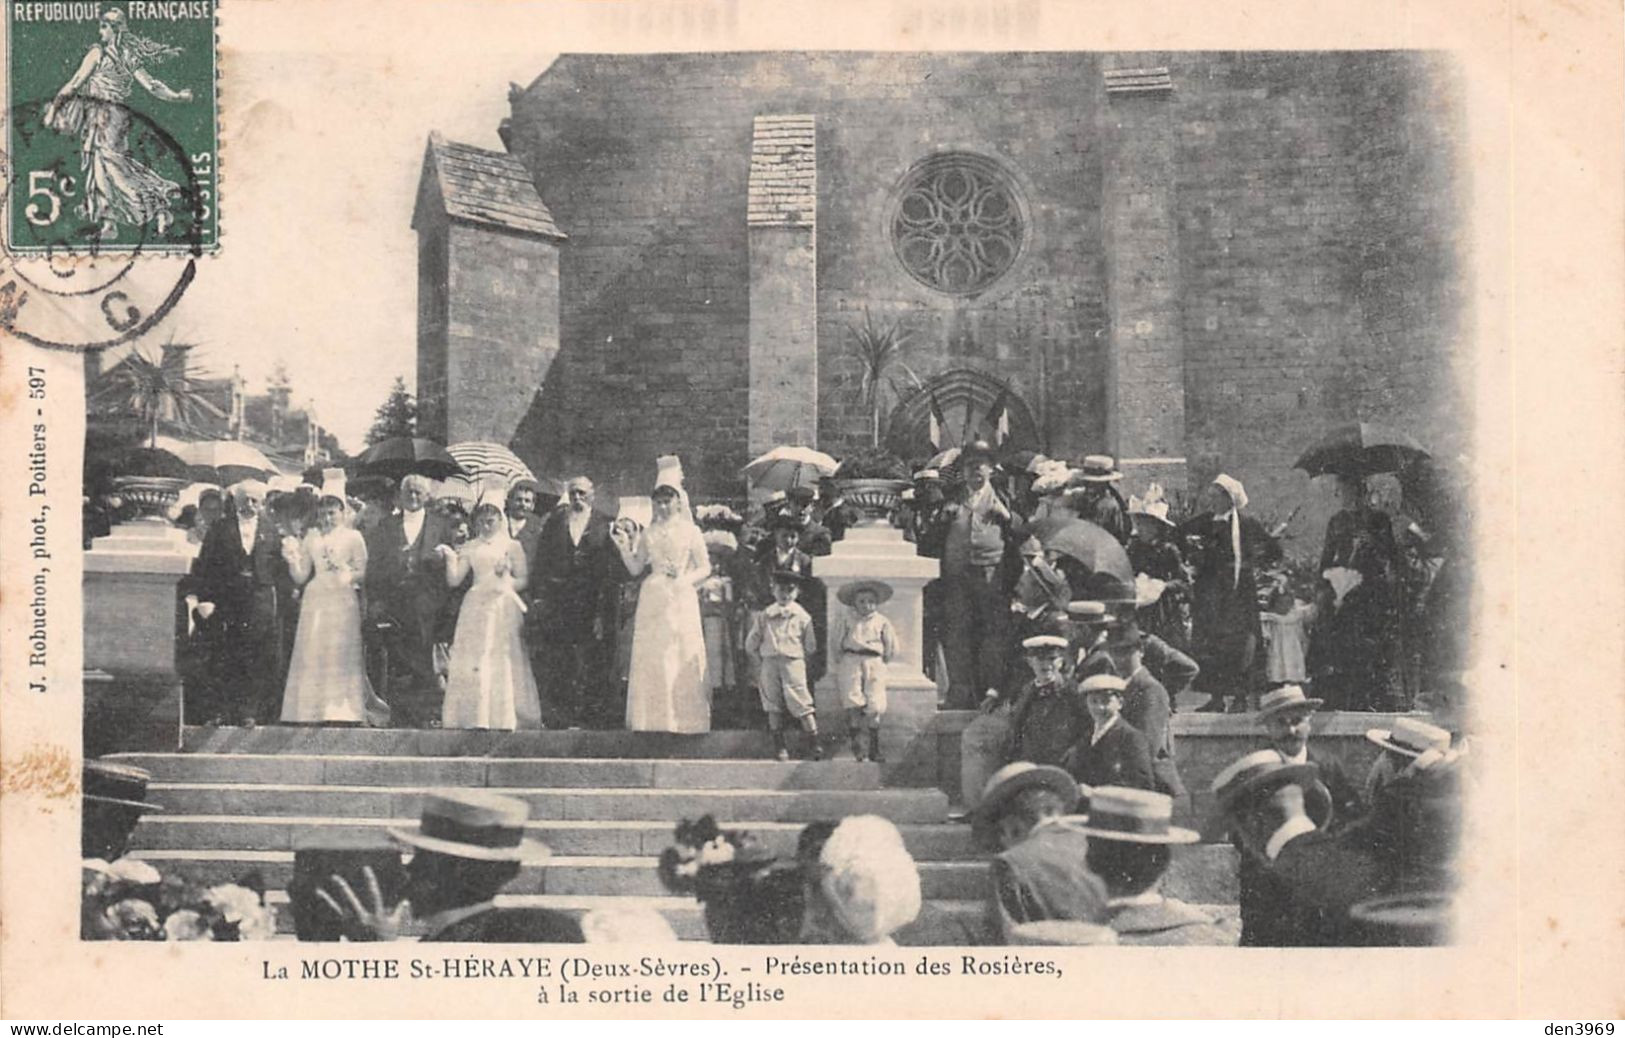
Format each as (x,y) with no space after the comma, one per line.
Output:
(986,509)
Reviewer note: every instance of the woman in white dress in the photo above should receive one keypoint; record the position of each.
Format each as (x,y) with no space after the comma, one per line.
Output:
(488,682)
(327,681)
(666,690)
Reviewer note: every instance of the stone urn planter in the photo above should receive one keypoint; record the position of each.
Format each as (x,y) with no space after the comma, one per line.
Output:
(873,481)
(876,500)
(152,496)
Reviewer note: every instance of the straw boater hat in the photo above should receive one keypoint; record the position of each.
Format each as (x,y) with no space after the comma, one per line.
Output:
(1411,738)
(121,784)
(1264,771)
(1087,612)
(1099,468)
(849,592)
(474,824)
(1131,816)
(1011,780)
(1285,698)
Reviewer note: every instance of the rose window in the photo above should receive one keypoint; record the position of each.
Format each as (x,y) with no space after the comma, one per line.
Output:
(956,225)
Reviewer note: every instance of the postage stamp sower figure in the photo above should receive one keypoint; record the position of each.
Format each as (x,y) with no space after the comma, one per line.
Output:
(112,132)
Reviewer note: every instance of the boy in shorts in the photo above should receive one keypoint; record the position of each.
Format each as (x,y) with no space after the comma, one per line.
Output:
(864,642)
(783,640)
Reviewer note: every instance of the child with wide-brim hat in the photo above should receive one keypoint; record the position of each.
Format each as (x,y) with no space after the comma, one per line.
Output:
(863,642)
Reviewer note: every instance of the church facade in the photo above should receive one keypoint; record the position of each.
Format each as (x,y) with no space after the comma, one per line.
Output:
(1194,261)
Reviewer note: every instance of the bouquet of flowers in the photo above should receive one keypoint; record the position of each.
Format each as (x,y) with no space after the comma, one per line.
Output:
(750,895)
(128,900)
(718,517)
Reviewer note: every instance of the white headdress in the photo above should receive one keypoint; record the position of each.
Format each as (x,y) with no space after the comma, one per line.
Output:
(669,475)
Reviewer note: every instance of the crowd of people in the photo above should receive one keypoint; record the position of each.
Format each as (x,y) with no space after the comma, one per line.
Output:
(1320,862)
(400,605)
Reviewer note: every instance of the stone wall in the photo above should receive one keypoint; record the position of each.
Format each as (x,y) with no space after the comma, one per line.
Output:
(1312,200)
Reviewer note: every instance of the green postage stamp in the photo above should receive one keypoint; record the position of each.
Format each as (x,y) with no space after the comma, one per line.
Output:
(111,131)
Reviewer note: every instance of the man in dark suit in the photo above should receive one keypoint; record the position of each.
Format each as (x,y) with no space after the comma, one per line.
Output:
(524,525)
(1147,706)
(468,846)
(1112,752)
(578,577)
(1285,715)
(406,584)
(244,593)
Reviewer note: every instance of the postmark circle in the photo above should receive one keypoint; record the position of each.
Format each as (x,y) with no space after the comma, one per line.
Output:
(65,288)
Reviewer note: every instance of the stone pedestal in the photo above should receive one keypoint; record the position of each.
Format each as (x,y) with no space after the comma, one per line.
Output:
(881,553)
(130,606)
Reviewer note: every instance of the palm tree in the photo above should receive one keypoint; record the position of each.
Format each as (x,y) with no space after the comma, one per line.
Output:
(879,350)
(155,390)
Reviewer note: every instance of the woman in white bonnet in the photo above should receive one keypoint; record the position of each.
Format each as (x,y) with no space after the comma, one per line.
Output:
(864,886)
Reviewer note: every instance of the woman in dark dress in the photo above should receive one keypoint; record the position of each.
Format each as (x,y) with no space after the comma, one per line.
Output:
(1226,551)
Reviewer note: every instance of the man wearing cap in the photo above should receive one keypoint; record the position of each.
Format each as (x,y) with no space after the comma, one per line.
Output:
(468,846)
(1286,715)
(1038,873)
(1146,703)
(244,591)
(815,537)
(1112,752)
(1268,803)
(1130,847)
(976,581)
(112,797)
(784,554)
(1406,844)
(1097,499)
(578,574)
(1047,716)
(1402,744)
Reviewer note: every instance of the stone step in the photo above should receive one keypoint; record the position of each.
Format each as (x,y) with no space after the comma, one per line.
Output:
(685,915)
(535,772)
(926,841)
(727,805)
(434,742)
(610,876)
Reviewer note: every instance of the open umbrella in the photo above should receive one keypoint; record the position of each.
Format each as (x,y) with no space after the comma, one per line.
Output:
(784,467)
(943,459)
(1110,575)
(403,455)
(479,458)
(1360,449)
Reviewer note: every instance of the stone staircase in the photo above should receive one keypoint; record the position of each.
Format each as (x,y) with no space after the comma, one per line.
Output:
(605,803)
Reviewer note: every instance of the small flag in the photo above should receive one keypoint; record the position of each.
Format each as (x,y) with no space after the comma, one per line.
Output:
(938,422)
(999,415)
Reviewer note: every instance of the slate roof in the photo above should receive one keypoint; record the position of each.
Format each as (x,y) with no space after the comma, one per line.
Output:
(487,187)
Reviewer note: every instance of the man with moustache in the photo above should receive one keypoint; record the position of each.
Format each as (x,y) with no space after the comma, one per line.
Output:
(576,581)
(406,585)
(244,593)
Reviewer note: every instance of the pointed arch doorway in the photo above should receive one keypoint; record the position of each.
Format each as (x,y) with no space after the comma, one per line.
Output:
(967,404)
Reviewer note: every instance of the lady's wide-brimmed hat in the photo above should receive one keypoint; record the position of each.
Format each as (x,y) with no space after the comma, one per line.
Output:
(1284,699)
(1011,780)
(1410,737)
(1131,816)
(849,592)
(1264,771)
(106,783)
(474,824)
(1099,468)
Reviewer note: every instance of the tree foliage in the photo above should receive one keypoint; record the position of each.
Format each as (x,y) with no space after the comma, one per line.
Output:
(396,416)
